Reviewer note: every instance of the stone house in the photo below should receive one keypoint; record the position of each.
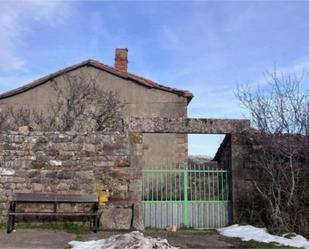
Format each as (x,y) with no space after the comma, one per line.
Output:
(141,97)
(154,134)
(73,162)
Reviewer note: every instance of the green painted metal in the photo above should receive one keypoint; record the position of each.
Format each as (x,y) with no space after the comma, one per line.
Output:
(162,170)
(185,187)
(186,208)
(187,201)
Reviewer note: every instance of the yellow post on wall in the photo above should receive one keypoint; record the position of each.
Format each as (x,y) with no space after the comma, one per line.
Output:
(103,194)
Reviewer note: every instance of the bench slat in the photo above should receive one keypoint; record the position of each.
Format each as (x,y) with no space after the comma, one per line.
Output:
(51,197)
(55,199)
(54,214)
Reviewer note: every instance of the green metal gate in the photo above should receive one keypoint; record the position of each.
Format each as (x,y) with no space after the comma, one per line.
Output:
(194,197)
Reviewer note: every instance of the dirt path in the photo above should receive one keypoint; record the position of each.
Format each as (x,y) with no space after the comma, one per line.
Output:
(56,239)
(35,239)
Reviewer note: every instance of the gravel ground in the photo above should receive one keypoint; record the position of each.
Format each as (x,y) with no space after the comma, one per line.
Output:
(57,239)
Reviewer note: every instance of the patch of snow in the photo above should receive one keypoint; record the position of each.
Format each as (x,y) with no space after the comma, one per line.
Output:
(7,172)
(131,240)
(248,232)
(55,163)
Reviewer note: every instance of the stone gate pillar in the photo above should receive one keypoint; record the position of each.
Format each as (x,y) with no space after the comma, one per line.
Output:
(135,188)
(238,187)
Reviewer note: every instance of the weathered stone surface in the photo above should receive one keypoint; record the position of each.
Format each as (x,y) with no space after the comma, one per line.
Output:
(186,125)
(89,148)
(55,163)
(67,163)
(73,162)
(24,130)
(86,175)
(62,174)
(6,172)
(138,222)
(116,218)
(135,137)
(37,187)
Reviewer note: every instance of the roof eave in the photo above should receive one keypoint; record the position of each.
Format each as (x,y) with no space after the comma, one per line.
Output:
(100,66)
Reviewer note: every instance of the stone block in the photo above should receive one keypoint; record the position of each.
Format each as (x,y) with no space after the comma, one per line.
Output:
(89,148)
(63,186)
(20,186)
(104,163)
(49,174)
(18,179)
(85,175)
(37,164)
(33,173)
(135,137)
(24,130)
(6,172)
(122,162)
(65,174)
(37,187)
(116,218)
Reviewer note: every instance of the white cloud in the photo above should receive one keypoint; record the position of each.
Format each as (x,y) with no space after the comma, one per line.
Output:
(297,67)
(14,24)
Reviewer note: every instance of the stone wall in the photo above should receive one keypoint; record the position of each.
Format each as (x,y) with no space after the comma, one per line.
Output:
(71,163)
(224,153)
(138,101)
(187,125)
(235,155)
(75,163)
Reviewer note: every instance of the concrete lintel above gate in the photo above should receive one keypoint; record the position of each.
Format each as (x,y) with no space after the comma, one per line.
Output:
(187,125)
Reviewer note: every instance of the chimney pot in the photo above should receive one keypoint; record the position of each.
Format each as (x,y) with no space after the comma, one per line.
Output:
(121,59)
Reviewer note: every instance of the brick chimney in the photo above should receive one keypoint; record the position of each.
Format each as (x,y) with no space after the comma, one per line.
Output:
(121,59)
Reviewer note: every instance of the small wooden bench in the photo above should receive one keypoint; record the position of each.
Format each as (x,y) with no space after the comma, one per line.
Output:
(55,199)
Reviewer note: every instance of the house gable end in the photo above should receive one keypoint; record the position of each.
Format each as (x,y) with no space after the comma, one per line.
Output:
(96,64)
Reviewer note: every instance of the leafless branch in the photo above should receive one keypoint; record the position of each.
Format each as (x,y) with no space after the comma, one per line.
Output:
(279,111)
(78,103)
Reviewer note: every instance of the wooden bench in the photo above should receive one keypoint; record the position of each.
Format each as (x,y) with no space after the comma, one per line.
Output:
(55,200)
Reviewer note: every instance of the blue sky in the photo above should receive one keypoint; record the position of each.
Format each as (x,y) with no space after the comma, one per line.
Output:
(207,47)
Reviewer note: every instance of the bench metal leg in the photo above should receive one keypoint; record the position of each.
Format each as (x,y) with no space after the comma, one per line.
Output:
(95,224)
(10,224)
(96,218)
(11,218)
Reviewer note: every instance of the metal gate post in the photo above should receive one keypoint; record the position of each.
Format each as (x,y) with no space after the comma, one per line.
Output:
(185,203)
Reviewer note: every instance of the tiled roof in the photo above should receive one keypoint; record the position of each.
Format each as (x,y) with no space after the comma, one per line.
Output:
(97,64)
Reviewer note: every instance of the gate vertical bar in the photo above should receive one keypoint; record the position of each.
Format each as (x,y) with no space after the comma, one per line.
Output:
(186,208)
(193,196)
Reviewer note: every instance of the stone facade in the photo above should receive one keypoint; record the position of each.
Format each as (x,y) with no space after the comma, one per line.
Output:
(83,162)
(233,154)
(70,163)
(155,135)
(139,100)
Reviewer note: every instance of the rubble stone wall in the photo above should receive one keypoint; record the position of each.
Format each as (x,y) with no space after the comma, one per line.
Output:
(77,162)
(69,163)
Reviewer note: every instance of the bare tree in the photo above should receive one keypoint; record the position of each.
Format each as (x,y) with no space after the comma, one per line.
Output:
(281,106)
(106,110)
(3,119)
(280,111)
(79,105)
